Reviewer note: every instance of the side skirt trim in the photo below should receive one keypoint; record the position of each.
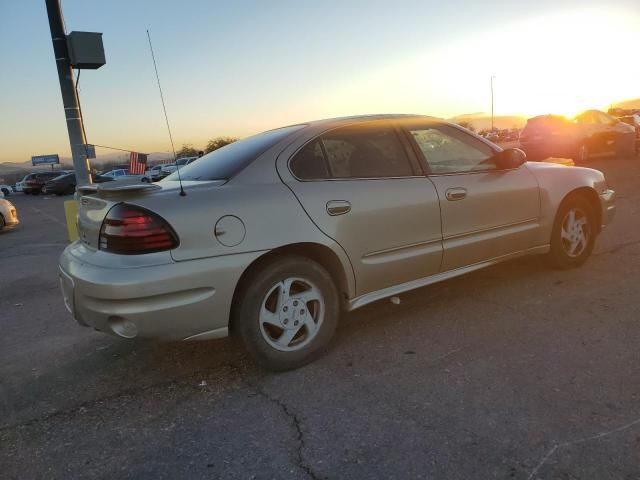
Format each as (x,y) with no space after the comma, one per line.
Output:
(367,298)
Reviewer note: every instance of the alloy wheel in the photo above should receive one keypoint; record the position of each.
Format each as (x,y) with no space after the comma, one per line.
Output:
(291,314)
(575,232)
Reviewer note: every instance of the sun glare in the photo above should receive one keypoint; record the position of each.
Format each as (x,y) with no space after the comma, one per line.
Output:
(559,64)
(569,63)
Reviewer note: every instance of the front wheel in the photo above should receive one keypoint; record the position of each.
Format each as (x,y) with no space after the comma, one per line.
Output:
(574,234)
(287,312)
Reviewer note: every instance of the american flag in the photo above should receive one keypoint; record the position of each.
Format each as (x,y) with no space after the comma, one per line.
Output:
(137,163)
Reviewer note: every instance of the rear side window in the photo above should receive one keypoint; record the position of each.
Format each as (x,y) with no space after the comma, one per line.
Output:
(360,151)
(227,161)
(310,163)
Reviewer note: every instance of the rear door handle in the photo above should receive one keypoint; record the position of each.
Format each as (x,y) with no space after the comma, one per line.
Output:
(338,207)
(454,194)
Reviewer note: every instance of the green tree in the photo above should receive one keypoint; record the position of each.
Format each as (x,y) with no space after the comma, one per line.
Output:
(218,142)
(187,150)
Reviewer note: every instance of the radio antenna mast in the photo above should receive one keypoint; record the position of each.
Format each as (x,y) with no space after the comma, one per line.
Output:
(166,118)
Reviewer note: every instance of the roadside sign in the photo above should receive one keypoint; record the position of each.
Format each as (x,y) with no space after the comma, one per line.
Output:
(45,159)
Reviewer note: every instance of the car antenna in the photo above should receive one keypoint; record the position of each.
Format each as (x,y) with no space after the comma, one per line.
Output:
(166,118)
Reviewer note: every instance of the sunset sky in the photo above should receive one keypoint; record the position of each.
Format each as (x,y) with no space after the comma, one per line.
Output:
(238,67)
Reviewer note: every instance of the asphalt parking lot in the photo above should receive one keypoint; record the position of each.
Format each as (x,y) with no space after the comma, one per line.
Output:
(515,371)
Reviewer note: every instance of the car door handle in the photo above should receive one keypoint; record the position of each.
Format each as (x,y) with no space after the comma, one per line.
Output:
(454,194)
(338,207)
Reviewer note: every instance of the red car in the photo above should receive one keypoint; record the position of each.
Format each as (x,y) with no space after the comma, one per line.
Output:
(34,182)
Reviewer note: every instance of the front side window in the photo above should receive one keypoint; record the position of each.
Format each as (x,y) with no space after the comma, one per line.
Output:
(449,150)
(360,151)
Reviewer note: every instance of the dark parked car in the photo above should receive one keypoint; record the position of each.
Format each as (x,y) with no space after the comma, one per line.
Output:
(66,184)
(591,132)
(34,184)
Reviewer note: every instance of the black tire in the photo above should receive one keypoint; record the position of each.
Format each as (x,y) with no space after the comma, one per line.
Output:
(2,222)
(582,154)
(558,256)
(6,192)
(254,292)
(145,180)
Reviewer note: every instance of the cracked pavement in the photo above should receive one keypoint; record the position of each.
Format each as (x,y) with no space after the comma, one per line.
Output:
(515,371)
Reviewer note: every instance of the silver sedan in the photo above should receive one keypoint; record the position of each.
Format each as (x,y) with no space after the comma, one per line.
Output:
(277,234)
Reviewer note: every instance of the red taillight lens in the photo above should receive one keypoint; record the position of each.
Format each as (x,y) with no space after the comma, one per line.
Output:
(132,230)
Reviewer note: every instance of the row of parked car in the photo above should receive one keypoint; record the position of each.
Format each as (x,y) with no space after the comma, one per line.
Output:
(63,182)
(501,135)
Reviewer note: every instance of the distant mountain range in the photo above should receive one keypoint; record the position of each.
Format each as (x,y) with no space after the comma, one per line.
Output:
(628,104)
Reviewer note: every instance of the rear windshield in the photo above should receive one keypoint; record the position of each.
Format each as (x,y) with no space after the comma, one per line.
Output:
(227,161)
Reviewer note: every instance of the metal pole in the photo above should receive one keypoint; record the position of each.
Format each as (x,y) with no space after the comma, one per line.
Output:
(492,77)
(67,88)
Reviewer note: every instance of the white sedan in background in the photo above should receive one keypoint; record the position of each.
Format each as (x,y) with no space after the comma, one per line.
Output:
(8,214)
(122,174)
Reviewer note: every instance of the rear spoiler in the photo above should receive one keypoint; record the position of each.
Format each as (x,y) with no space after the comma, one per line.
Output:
(118,186)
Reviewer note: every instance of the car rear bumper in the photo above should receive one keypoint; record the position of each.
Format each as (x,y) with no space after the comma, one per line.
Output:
(184,300)
(608,204)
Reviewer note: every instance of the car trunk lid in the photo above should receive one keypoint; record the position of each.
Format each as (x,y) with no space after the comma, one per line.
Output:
(98,199)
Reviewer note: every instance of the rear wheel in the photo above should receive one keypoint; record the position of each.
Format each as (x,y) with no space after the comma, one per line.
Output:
(2,222)
(574,233)
(287,312)
(6,192)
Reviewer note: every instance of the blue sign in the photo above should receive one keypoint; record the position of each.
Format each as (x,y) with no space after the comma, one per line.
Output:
(45,159)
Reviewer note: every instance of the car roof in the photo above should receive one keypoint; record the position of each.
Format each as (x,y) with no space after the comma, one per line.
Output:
(337,121)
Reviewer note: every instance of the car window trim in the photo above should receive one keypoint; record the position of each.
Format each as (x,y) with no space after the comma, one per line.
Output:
(388,122)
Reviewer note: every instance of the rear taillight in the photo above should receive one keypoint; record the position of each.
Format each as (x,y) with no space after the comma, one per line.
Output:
(131,230)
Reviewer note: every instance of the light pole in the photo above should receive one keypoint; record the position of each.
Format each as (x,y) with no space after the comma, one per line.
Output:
(69,97)
(492,77)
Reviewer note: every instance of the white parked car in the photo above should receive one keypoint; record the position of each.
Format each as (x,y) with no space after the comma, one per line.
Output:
(8,214)
(20,185)
(123,174)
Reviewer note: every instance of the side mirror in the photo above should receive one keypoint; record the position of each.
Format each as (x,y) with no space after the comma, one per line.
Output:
(510,158)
